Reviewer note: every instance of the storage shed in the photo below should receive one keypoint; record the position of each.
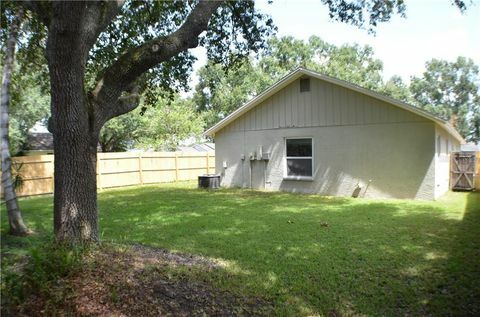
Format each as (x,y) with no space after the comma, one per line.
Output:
(316,134)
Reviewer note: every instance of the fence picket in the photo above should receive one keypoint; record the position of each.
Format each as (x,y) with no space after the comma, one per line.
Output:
(121,169)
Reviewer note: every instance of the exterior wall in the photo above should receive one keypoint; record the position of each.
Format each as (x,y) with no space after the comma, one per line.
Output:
(344,156)
(357,140)
(444,145)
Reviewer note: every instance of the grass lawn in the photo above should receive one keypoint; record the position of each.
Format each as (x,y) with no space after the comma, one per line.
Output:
(309,255)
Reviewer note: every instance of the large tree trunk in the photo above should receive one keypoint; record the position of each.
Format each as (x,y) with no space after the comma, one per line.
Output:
(17,226)
(74,134)
(77,117)
(75,199)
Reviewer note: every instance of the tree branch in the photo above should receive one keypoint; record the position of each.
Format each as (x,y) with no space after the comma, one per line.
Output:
(99,15)
(128,102)
(41,8)
(136,61)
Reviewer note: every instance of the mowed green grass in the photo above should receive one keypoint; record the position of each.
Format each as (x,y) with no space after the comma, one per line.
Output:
(309,255)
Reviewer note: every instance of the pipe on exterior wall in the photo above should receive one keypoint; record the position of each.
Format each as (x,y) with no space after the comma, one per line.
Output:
(250,172)
(264,174)
(366,188)
(243,172)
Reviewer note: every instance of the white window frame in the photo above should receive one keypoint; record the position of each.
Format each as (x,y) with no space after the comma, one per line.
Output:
(312,158)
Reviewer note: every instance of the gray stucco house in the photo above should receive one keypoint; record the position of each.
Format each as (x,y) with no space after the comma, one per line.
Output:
(316,134)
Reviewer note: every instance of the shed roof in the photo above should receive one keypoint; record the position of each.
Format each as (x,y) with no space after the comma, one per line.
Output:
(299,72)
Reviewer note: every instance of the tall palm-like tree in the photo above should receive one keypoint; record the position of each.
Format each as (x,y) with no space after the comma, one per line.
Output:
(17,226)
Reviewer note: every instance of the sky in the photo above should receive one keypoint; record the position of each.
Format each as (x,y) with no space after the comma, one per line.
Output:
(432,29)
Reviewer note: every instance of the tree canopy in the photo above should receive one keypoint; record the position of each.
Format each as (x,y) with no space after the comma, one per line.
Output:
(451,90)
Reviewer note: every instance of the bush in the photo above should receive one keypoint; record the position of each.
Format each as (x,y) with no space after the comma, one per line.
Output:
(41,275)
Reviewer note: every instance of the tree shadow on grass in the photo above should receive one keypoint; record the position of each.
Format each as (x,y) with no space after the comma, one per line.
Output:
(457,290)
(312,254)
(309,254)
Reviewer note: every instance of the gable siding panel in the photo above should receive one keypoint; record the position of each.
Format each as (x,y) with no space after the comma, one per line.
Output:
(316,104)
(344,107)
(269,113)
(253,119)
(265,115)
(325,105)
(288,110)
(294,106)
(330,110)
(303,109)
(311,114)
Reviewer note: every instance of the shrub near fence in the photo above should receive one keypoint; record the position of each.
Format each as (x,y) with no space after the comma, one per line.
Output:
(119,169)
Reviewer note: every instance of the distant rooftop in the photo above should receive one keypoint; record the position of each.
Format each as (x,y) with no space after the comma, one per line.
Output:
(201,147)
(39,141)
(470,147)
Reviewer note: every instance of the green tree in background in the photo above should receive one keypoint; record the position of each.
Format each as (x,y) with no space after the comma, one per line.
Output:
(170,123)
(30,91)
(396,88)
(287,53)
(220,91)
(451,90)
(355,64)
(121,133)
(349,62)
(29,104)
(167,123)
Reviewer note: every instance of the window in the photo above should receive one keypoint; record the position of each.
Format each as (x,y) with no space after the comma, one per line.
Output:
(299,158)
(304,84)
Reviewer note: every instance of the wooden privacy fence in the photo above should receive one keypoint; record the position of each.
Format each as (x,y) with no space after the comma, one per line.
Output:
(465,170)
(118,169)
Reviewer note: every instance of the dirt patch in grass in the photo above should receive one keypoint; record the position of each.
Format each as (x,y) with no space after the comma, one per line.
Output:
(138,281)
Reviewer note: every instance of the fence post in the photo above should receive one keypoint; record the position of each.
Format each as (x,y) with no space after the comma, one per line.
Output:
(99,172)
(176,166)
(52,161)
(140,171)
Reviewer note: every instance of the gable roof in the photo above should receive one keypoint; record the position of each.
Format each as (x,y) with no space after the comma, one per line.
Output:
(300,72)
(39,141)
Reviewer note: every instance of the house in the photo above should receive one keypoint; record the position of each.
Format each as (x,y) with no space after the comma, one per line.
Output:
(38,143)
(470,147)
(198,147)
(316,134)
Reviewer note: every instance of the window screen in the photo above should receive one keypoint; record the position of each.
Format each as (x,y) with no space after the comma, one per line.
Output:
(299,157)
